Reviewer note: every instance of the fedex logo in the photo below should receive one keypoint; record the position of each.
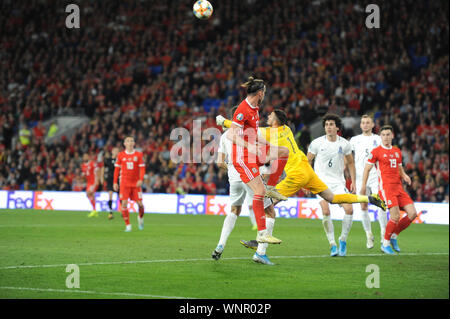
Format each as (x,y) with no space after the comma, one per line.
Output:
(191,204)
(216,205)
(20,199)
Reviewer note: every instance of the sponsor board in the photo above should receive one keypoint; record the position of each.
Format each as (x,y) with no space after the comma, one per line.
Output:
(308,208)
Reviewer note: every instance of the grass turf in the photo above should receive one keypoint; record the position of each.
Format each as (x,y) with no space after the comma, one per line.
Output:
(171,258)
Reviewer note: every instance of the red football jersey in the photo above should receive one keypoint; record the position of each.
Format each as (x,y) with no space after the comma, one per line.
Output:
(387,162)
(89,170)
(131,168)
(247,118)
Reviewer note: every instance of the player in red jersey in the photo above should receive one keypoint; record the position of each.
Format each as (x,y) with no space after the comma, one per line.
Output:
(251,151)
(89,169)
(130,164)
(388,161)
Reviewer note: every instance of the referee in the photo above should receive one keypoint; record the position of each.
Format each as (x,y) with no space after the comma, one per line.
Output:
(108,176)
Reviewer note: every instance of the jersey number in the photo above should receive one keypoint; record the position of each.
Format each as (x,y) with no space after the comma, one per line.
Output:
(130,165)
(330,163)
(393,162)
(292,145)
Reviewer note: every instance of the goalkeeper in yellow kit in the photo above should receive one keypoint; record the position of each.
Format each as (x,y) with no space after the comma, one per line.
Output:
(299,173)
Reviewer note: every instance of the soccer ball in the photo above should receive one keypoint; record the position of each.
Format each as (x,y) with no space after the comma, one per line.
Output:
(202,9)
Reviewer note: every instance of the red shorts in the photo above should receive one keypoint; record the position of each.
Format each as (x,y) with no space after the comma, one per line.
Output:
(249,170)
(395,195)
(91,187)
(129,192)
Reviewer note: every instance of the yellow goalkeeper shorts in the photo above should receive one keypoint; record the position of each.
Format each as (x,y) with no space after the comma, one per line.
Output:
(303,176)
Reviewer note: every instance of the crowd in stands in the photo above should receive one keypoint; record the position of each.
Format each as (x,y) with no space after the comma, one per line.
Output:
(143,68)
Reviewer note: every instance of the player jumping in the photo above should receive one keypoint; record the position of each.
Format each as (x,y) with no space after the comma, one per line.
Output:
(238,192)
(388,161)
(250,152)
(130,164)
(299,173)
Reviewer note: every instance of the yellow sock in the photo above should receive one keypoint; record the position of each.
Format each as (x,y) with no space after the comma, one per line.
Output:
(227,123)
(349,199)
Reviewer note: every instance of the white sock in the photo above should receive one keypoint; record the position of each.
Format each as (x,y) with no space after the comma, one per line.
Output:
(394,236)
(252,216)
(382,219)
(270,223)
(346,226)
(386,242)
(228,225)
(365,219)
(140,220)
(329,229)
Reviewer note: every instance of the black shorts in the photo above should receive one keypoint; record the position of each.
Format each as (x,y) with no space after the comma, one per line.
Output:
(109,186)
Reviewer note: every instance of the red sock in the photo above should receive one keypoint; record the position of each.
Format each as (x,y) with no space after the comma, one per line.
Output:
(126,216)
(402,224)
(92,200)
(390,227)
(258,209)
(141,211)
(279,164)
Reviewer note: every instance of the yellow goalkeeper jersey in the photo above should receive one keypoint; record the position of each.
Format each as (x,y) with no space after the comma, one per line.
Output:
(282,136)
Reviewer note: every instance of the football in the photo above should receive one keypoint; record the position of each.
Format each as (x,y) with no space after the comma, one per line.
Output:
(202,9)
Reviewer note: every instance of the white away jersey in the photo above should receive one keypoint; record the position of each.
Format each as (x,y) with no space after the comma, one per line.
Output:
(329,159)
(362,146)
(226,147)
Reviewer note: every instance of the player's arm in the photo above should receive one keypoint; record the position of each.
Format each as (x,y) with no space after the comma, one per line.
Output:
(365,177)
(403,174)
(141,171)
(234,136)
(311,158)
(102,174)
(220,162)
(116,174)
(220,120)
(350,164)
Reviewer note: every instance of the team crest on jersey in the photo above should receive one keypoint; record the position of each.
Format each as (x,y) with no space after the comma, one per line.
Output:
(135,159)
(254,170)
(389,202)
(396,155)
(340,150)
(240,117)
(374,143)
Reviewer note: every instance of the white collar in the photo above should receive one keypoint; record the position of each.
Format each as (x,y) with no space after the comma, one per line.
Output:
(386,148)
(126,152)
(253,107)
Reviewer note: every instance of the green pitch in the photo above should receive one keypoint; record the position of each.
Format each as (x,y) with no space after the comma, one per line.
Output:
(171,258)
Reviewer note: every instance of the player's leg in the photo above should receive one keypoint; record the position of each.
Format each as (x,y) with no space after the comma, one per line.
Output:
(392,224)
(403,223)
(328,227)
(91,195)
(279,156)
(110,194)
(365,218)
(238,192)
(346,226)
(136,195)
(251,214)
(123,196)
(259,190)
(260,255)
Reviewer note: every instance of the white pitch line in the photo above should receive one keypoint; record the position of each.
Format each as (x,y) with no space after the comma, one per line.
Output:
(96,292)
(204,259)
